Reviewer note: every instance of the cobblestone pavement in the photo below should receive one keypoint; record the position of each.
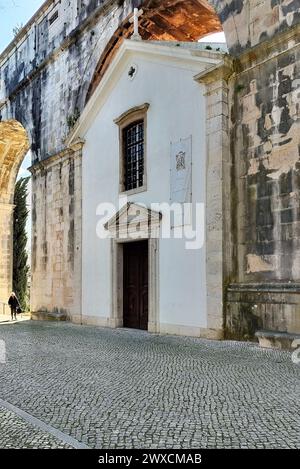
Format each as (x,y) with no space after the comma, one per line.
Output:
(15,433)
(130,389)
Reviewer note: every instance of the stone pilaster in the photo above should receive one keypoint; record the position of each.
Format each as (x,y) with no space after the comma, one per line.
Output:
(218,165)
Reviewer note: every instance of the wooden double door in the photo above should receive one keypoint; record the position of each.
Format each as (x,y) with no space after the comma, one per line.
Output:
(135,285)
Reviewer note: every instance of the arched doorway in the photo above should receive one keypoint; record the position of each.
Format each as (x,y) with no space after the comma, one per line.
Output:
(14,145)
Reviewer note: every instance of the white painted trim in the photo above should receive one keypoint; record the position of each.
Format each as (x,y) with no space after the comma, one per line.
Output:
(92,321)
(176,329)
(190,331)
(154,325)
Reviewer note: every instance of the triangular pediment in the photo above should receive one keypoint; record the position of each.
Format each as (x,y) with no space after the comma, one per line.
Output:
(188,55)
(134,218)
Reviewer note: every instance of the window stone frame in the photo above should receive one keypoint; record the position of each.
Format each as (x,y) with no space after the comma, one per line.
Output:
(127,118)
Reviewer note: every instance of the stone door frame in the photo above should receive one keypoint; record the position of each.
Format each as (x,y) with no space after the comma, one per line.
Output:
(117,282)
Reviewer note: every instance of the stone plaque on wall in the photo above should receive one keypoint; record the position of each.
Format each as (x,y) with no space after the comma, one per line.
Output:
(181,171)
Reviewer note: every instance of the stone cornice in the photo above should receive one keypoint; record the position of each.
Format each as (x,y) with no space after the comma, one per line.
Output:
(269,49)
(77,144)
(275,287)
(253,57)
(58,157)
(221,71)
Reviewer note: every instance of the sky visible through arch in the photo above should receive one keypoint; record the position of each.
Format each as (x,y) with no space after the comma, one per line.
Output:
(14,13)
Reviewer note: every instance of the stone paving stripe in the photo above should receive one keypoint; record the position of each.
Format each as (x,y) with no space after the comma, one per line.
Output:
(43,426)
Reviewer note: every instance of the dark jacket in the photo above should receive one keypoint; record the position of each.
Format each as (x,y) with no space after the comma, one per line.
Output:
(13,302)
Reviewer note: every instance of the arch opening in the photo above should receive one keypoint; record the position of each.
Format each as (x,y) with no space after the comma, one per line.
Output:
(14,145)
(162,20)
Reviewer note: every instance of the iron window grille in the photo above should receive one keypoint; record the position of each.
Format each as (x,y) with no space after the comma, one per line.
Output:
(133,147)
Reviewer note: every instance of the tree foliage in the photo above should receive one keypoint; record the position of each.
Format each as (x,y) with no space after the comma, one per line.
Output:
(20,257)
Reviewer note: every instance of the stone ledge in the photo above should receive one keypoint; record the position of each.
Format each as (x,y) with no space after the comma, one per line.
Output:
(48,316)
(276,287)
(276,339)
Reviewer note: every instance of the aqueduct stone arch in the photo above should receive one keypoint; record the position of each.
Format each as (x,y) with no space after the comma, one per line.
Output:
(14,144)
(45,76)
(161,21)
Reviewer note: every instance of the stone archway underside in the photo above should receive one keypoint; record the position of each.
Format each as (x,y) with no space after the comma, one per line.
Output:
(14,145)
(162,20)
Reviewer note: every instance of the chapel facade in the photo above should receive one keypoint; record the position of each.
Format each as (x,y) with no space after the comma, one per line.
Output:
(145,256)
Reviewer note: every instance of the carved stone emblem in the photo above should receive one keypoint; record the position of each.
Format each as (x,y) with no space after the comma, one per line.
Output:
(180,161)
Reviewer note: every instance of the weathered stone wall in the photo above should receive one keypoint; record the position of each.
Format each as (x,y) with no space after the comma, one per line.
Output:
(247,23)
(44,78)
(56,237)
(265,190)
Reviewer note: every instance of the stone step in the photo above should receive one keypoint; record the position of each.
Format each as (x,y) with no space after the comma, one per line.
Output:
(277,339)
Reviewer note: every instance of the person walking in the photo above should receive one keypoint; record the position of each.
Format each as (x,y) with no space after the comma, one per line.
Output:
(14,305)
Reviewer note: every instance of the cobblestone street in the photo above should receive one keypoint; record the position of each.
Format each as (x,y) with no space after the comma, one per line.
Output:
(129,389)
